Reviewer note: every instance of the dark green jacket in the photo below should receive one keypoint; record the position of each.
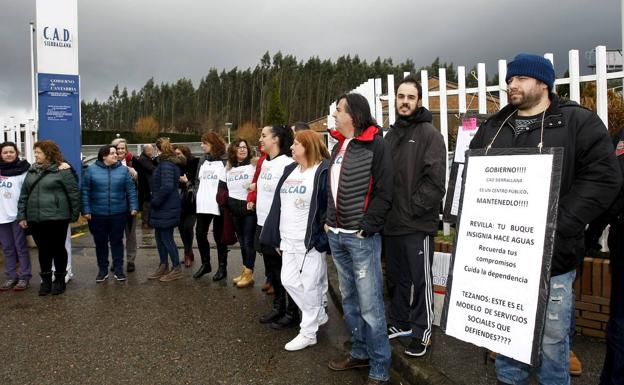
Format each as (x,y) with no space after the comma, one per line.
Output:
(54,198)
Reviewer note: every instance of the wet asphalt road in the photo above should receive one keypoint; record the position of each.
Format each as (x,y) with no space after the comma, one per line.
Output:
(144,332)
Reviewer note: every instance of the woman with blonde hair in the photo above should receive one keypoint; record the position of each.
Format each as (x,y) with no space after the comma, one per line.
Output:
(294,226)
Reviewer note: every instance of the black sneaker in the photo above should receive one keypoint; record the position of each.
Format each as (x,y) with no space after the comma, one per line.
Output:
(120,277)
(101,277)
(416,348)
(395,331)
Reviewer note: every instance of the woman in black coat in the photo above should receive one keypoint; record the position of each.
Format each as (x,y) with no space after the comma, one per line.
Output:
(187,215)
(165,211)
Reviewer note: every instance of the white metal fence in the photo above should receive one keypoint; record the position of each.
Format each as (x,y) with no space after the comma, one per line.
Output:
(372,89)
(21,132)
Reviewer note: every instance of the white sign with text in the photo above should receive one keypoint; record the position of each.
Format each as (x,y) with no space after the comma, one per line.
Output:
(57,37)
(499,250)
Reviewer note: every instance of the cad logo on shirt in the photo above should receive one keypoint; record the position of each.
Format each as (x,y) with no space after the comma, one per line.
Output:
(6,184)
(238,176)
(338,159)
(293,189)
(209,174)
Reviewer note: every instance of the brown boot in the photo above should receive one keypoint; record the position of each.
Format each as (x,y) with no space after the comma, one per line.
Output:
(238,278)
(162,270)
(576,368)
(270,290)
(247,279)
(175,273)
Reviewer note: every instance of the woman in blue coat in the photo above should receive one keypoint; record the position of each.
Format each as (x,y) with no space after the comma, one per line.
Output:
(165,211)
(108,195)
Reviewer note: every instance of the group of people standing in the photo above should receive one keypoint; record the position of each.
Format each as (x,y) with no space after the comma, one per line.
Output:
(298,201)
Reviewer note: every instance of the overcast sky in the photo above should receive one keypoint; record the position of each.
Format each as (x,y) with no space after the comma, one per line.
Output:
(126,42)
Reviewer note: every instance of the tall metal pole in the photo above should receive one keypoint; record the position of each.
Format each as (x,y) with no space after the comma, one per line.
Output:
(33,101)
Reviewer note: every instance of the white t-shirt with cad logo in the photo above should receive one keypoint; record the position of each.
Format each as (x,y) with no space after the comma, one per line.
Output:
(210,173)
(296,196)
(10,187)
(270,174)
(238,180)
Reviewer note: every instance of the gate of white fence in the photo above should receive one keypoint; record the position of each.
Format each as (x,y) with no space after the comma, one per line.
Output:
(21,132)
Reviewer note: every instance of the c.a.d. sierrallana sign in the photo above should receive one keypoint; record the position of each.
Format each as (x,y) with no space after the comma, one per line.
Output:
(501,263)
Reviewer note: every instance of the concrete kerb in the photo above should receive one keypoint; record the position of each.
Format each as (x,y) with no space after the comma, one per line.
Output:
(404,370)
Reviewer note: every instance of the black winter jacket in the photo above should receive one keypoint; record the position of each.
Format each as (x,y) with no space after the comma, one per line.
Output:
(418,156)
(315,236)
(590,177)
(365,186)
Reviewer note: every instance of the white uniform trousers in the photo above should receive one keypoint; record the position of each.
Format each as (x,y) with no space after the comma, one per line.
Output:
(302,276)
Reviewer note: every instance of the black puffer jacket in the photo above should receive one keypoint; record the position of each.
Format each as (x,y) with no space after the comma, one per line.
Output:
(418,156)
(590,177)
(365,187)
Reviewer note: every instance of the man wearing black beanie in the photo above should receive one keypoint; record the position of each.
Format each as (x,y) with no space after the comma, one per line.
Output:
(590,180)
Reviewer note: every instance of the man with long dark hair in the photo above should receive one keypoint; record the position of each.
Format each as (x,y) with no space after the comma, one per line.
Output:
(360,195)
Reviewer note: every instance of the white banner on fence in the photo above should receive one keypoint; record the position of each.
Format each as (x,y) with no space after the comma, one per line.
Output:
(57,37)
(498,256)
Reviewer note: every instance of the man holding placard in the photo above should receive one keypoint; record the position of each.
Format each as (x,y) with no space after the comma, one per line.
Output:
(418,156)
(590,180)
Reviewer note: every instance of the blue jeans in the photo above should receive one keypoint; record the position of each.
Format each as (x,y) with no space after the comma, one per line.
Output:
(555,351)
(358,262)
(108,229)
(166,246)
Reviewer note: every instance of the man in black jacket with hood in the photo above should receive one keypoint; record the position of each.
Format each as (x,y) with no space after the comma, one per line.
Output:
(419,159)
(590,180)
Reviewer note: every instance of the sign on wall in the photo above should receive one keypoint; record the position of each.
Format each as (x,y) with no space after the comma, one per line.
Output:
(57,76)
(498,284)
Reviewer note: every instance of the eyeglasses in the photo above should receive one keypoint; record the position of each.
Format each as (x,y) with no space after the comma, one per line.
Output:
(242,147)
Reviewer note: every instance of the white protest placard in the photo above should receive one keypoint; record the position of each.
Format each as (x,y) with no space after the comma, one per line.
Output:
(504,241)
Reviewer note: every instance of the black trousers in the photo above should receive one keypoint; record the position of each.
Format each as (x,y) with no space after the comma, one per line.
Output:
(408,266)
(201,234)
(186,227)
(282,302)
(50,239)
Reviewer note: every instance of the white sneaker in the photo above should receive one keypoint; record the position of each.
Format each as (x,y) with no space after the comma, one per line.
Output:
(68,277)
(323,319)
(299,342)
